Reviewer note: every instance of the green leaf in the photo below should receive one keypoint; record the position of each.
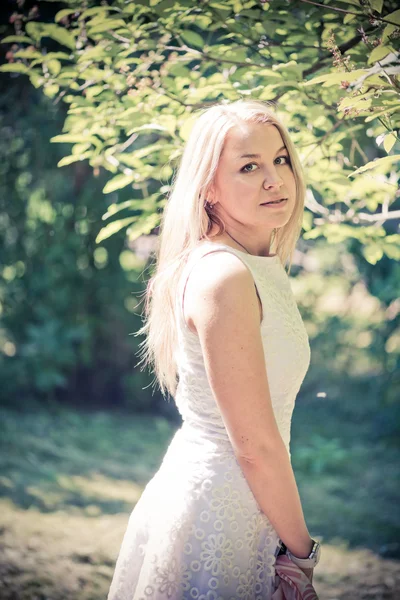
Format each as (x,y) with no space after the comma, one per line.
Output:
(25,53)
(140,153)
(386,161)
(389,29)
(186,128)
(119,181)
(96,52)
(79,149)
(147,204)
(391,246)
(62,36)
(268,73)
(394,17)
(359,102)
(67,160)
(394,238)
(336,233)
(114,227)
(66,138)
(64,13)
(36,80)
(313,233)
(377,5)
(349,18)
(55,32)
(150,126)
(307,220)
(34,30)
(378,53)
(97,10)
(334,78)
(144,226)
(353,2)
(164,5)
(16,38)
(54,66)
(14,68)
(107,25)
(389,141)
(51,90)
(372,253)
(69,73)
(58,55)
(94,91)
(192,38)
(115,208)
(387,111)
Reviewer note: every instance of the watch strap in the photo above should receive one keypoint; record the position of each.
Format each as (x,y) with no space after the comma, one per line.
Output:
(307,563)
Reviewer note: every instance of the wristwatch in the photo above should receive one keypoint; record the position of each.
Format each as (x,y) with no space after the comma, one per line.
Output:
(306,563)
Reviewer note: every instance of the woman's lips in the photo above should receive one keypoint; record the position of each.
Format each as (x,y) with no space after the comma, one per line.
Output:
(272,204)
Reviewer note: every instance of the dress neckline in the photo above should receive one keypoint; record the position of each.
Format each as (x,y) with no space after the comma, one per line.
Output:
(272,258)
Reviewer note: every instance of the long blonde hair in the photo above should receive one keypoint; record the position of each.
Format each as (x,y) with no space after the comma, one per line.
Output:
(186,220)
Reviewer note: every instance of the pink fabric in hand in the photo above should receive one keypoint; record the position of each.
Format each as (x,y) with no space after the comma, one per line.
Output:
(292,582)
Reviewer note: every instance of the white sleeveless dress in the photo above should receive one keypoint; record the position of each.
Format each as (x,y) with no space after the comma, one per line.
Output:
(197,531)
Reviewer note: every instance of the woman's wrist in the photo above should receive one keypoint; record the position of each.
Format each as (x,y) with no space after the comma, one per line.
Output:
(303,551)
(309,561)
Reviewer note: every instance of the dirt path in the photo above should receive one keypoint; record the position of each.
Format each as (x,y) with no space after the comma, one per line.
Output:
(70,556)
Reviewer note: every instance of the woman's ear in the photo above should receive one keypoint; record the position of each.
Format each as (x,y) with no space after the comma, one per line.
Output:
(211,194)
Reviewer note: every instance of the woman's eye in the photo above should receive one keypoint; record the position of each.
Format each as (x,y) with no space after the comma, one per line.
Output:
(285,158)
(245,168)
(280,160)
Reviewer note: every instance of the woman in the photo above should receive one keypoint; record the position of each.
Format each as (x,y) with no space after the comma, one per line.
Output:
(212,520)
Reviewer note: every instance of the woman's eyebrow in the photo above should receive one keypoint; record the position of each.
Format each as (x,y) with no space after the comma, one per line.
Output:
(259,155)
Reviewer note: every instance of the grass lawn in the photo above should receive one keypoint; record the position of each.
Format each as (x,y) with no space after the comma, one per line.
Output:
(68,481)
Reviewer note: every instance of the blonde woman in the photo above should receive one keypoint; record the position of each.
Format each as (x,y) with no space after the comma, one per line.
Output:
(226,340)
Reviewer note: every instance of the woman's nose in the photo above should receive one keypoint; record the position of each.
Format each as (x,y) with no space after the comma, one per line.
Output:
(271,179)
(272,182)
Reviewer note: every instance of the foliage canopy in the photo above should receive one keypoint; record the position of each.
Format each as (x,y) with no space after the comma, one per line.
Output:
(134,74)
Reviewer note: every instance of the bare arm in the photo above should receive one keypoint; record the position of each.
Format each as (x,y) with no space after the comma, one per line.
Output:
(221,305)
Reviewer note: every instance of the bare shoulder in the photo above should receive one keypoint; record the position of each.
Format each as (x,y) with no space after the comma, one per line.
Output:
(217,282)
(216,268)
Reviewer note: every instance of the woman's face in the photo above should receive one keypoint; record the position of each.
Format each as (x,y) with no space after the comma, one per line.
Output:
(254,168)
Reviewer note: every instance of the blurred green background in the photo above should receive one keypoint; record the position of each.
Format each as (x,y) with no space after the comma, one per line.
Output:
(82,429)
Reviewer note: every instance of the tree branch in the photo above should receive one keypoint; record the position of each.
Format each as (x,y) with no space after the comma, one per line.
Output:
(347,12)
(343,48)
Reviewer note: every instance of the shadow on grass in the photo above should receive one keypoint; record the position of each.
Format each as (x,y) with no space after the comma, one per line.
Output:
(95,463)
